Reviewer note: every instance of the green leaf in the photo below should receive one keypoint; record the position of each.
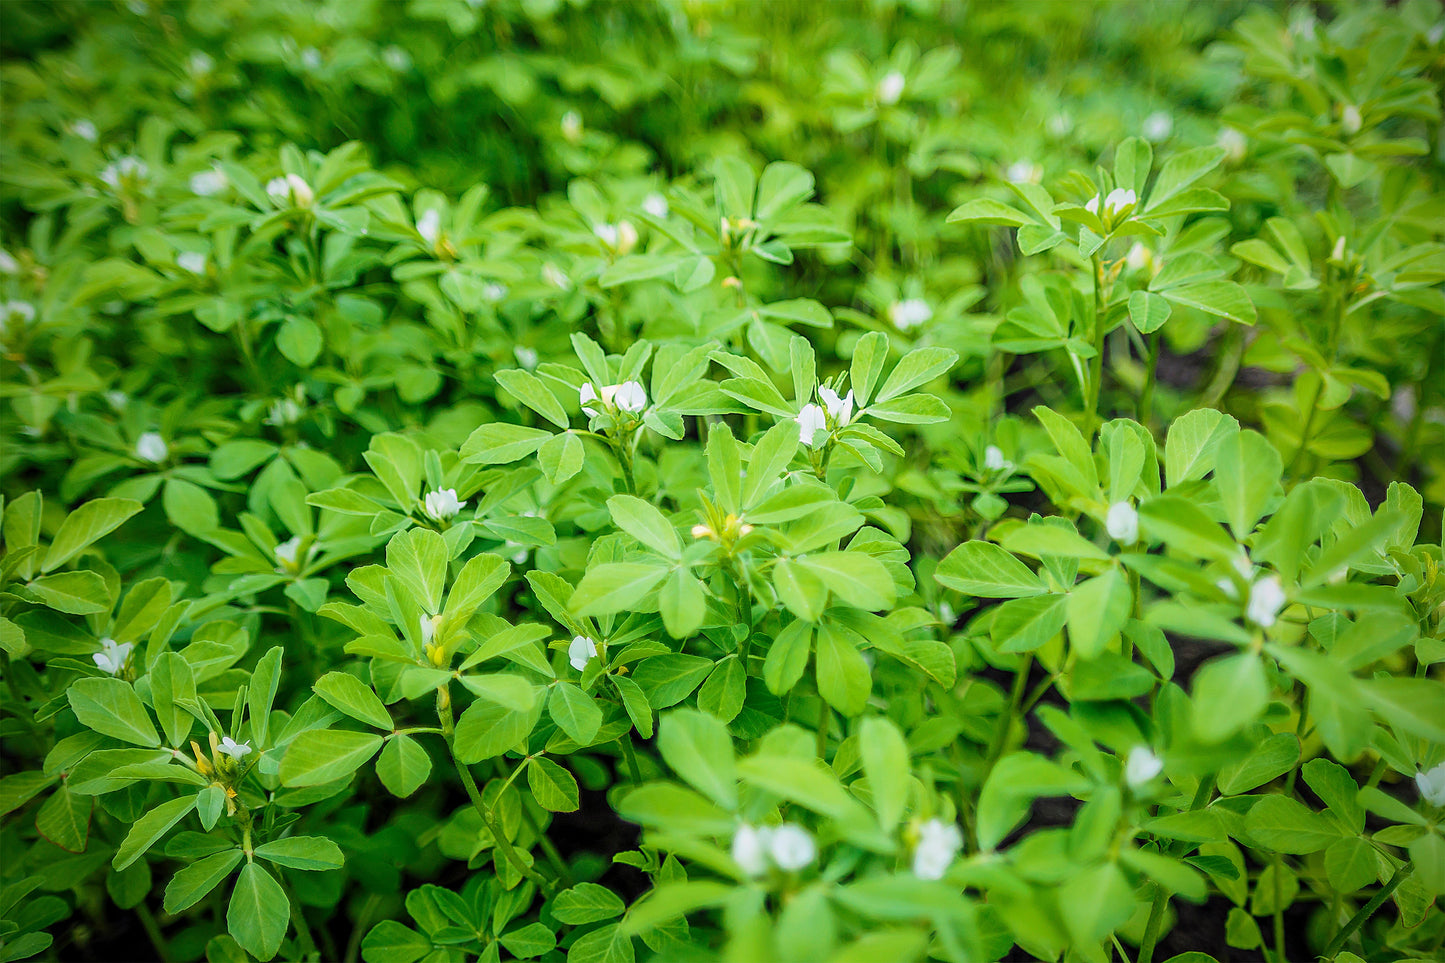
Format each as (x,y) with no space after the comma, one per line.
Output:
(1023,625)
(1247,469)
(191,884)
(111,707)
(606,944)
(418,558)
(645,523)
(149,828)
(985,210)
(498,444)
(855,578)
(1350,864)
(172,685)
(210,801)
(1272,758)
(528,941)
(561,457)
(1193,438)
(346,692)
(403,766)
(261,693)
(258,913)
(1282,824)
(1095,902)
(984,569)
(788,657)
(479,578)
(1096,612)
(917,368)
(1229,694)
(575,712)
(682,604)
(615,587)
(869,355)
(529,389)
(1184,169)
(189,507)
(668,679)
(86,525)
(73,593)
(311,853)
(299,340)
(635,702)
(64,819)
(486,729)
(722,695)
(554,787)
(886,764)
(699,749)
(319,756)
(391,942)
(844,679)
(1416,706)
(1223,298)
(1181,524)
(1148,311)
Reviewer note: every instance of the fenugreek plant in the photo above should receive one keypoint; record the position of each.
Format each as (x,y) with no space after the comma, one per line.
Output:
(601,482)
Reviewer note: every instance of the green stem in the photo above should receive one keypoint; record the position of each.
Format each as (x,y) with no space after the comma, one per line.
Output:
(630,755)
(363,923)
(564,872)
(825,718)
(1366,911)
(1161,895)
(444,713)
(1096,363)
(153,930)
(1146,397)
(1304,434)
(1279,910)
(1016,697)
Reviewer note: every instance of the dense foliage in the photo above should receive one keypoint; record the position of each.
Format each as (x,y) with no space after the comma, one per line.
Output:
(549,479)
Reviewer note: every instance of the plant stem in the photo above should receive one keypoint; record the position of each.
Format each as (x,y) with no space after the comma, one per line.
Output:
(825,718)
(1096,363)
(298,920)
(1161,895)
(1016,697)
(1146,397)
(1366,911)
(631,756)
(153,930)
(353,942)
(444,713)
(564,872)
(1279,910)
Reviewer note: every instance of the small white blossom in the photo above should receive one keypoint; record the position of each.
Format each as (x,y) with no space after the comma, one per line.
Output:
(288,550)
(85,130)
(23,311)
(192,261)
(909,314)
(993,459)
(1113,205)
(840,410)
(526,357)
(791,847)
(236,750)
(750,849)
(128,167)
(1158,126)
(427,626)
(1432,786)
(1024,172)
(890,88)
(581,651)
(112,657)
(429,225)
(117,399)
(554,276)
(494,292)
(938,843)
(1266,598)
(1436,33)
(1350,119)
(607,234)
(151,447)
(443,505)
(209,183)
(628,396)
(283,411)
(291,190)
(396,58)
(572,126)
(1141,766)
(1122,523)
(1060,125)
(702,531)
(8,264)
(1138,257)
(311,58)
(1234,143)
(811,420)
(200,63)
(656,205)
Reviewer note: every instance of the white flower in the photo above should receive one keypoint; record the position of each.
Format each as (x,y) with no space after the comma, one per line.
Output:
(85,130)
(236,750)
(909,314)
(201,63)
(8,264)
(628,396)
(429,225)
(1158,126)
(442,505)
(553,276)
(626,237)
(283,411)
(1110,207)
(288,550)
(192,261)
(790,847)
(656,205)
(840,410)
(291,190)
(111,656)
(1234,143)
(1059,125)
(1266,598)
(209,183)
(581,651)
(1350,119)
(938,843)
(1432,786)
(811,420)
(128,167)
(396,58)
(890,88)
(607,234)
(993,459)
(702,531)
(12,310)
(151,447)
(1141,766)
(1122,523)
(117,399)
(428,625)
(1024,172)
(311,58)
(526,357)
(1138,257)
(572,126)
(750,849)
(494,292)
